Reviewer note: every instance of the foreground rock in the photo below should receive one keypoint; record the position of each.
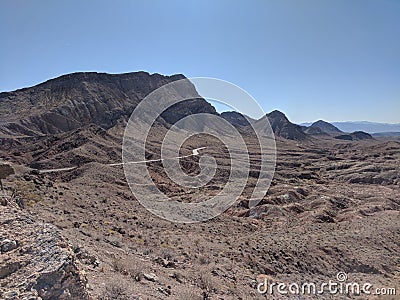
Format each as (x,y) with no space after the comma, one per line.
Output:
(35,261)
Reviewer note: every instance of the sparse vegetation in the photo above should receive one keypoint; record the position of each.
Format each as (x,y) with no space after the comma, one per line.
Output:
(115,290)
(128,267)
(26,193)
(206,281)
(5,171)
(190,294)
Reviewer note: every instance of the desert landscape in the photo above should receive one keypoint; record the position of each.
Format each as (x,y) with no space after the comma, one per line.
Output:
(71,228)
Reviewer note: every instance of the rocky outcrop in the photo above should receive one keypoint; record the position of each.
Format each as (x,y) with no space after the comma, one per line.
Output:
(35,261)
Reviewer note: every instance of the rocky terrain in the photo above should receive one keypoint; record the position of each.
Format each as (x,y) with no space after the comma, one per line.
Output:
(77,233)
(36,262)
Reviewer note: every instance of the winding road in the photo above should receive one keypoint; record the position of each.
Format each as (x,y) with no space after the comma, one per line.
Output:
(195,152)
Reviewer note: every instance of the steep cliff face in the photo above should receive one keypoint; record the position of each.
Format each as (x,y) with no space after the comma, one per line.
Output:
(75,100)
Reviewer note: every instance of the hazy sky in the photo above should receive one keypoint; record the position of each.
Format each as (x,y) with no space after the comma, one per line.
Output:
(313,59)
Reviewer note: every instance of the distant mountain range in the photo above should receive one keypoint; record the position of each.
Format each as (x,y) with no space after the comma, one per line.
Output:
(79,101)
(283,128)
(370,127)
(323,128)
(280,124)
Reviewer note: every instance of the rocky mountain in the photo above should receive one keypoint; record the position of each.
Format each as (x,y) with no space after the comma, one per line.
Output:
(71,101)
(354,136)
(321,127)
(282,127)
(80,100)
(280,124)
(325,127)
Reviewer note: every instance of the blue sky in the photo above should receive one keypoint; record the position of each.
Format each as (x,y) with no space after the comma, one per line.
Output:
(313,59)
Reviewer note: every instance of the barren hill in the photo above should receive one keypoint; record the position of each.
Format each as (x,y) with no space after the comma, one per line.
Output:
(326,127)
(79,99)
(282,127)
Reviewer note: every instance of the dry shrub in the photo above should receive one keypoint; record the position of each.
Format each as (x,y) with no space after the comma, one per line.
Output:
(206,281)
(128,267)
(179,277)
(26,193)
(190,294)
(115,290)
(204,260)
(168,254)
(5,171)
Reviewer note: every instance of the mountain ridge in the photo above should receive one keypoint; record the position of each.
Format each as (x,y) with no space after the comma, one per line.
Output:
(367,126)
(79,99)
(74,100)
(325,126)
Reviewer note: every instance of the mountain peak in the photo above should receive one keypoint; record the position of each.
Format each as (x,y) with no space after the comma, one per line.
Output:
(277,114)
(78,99)
(282,127)
(325,127)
